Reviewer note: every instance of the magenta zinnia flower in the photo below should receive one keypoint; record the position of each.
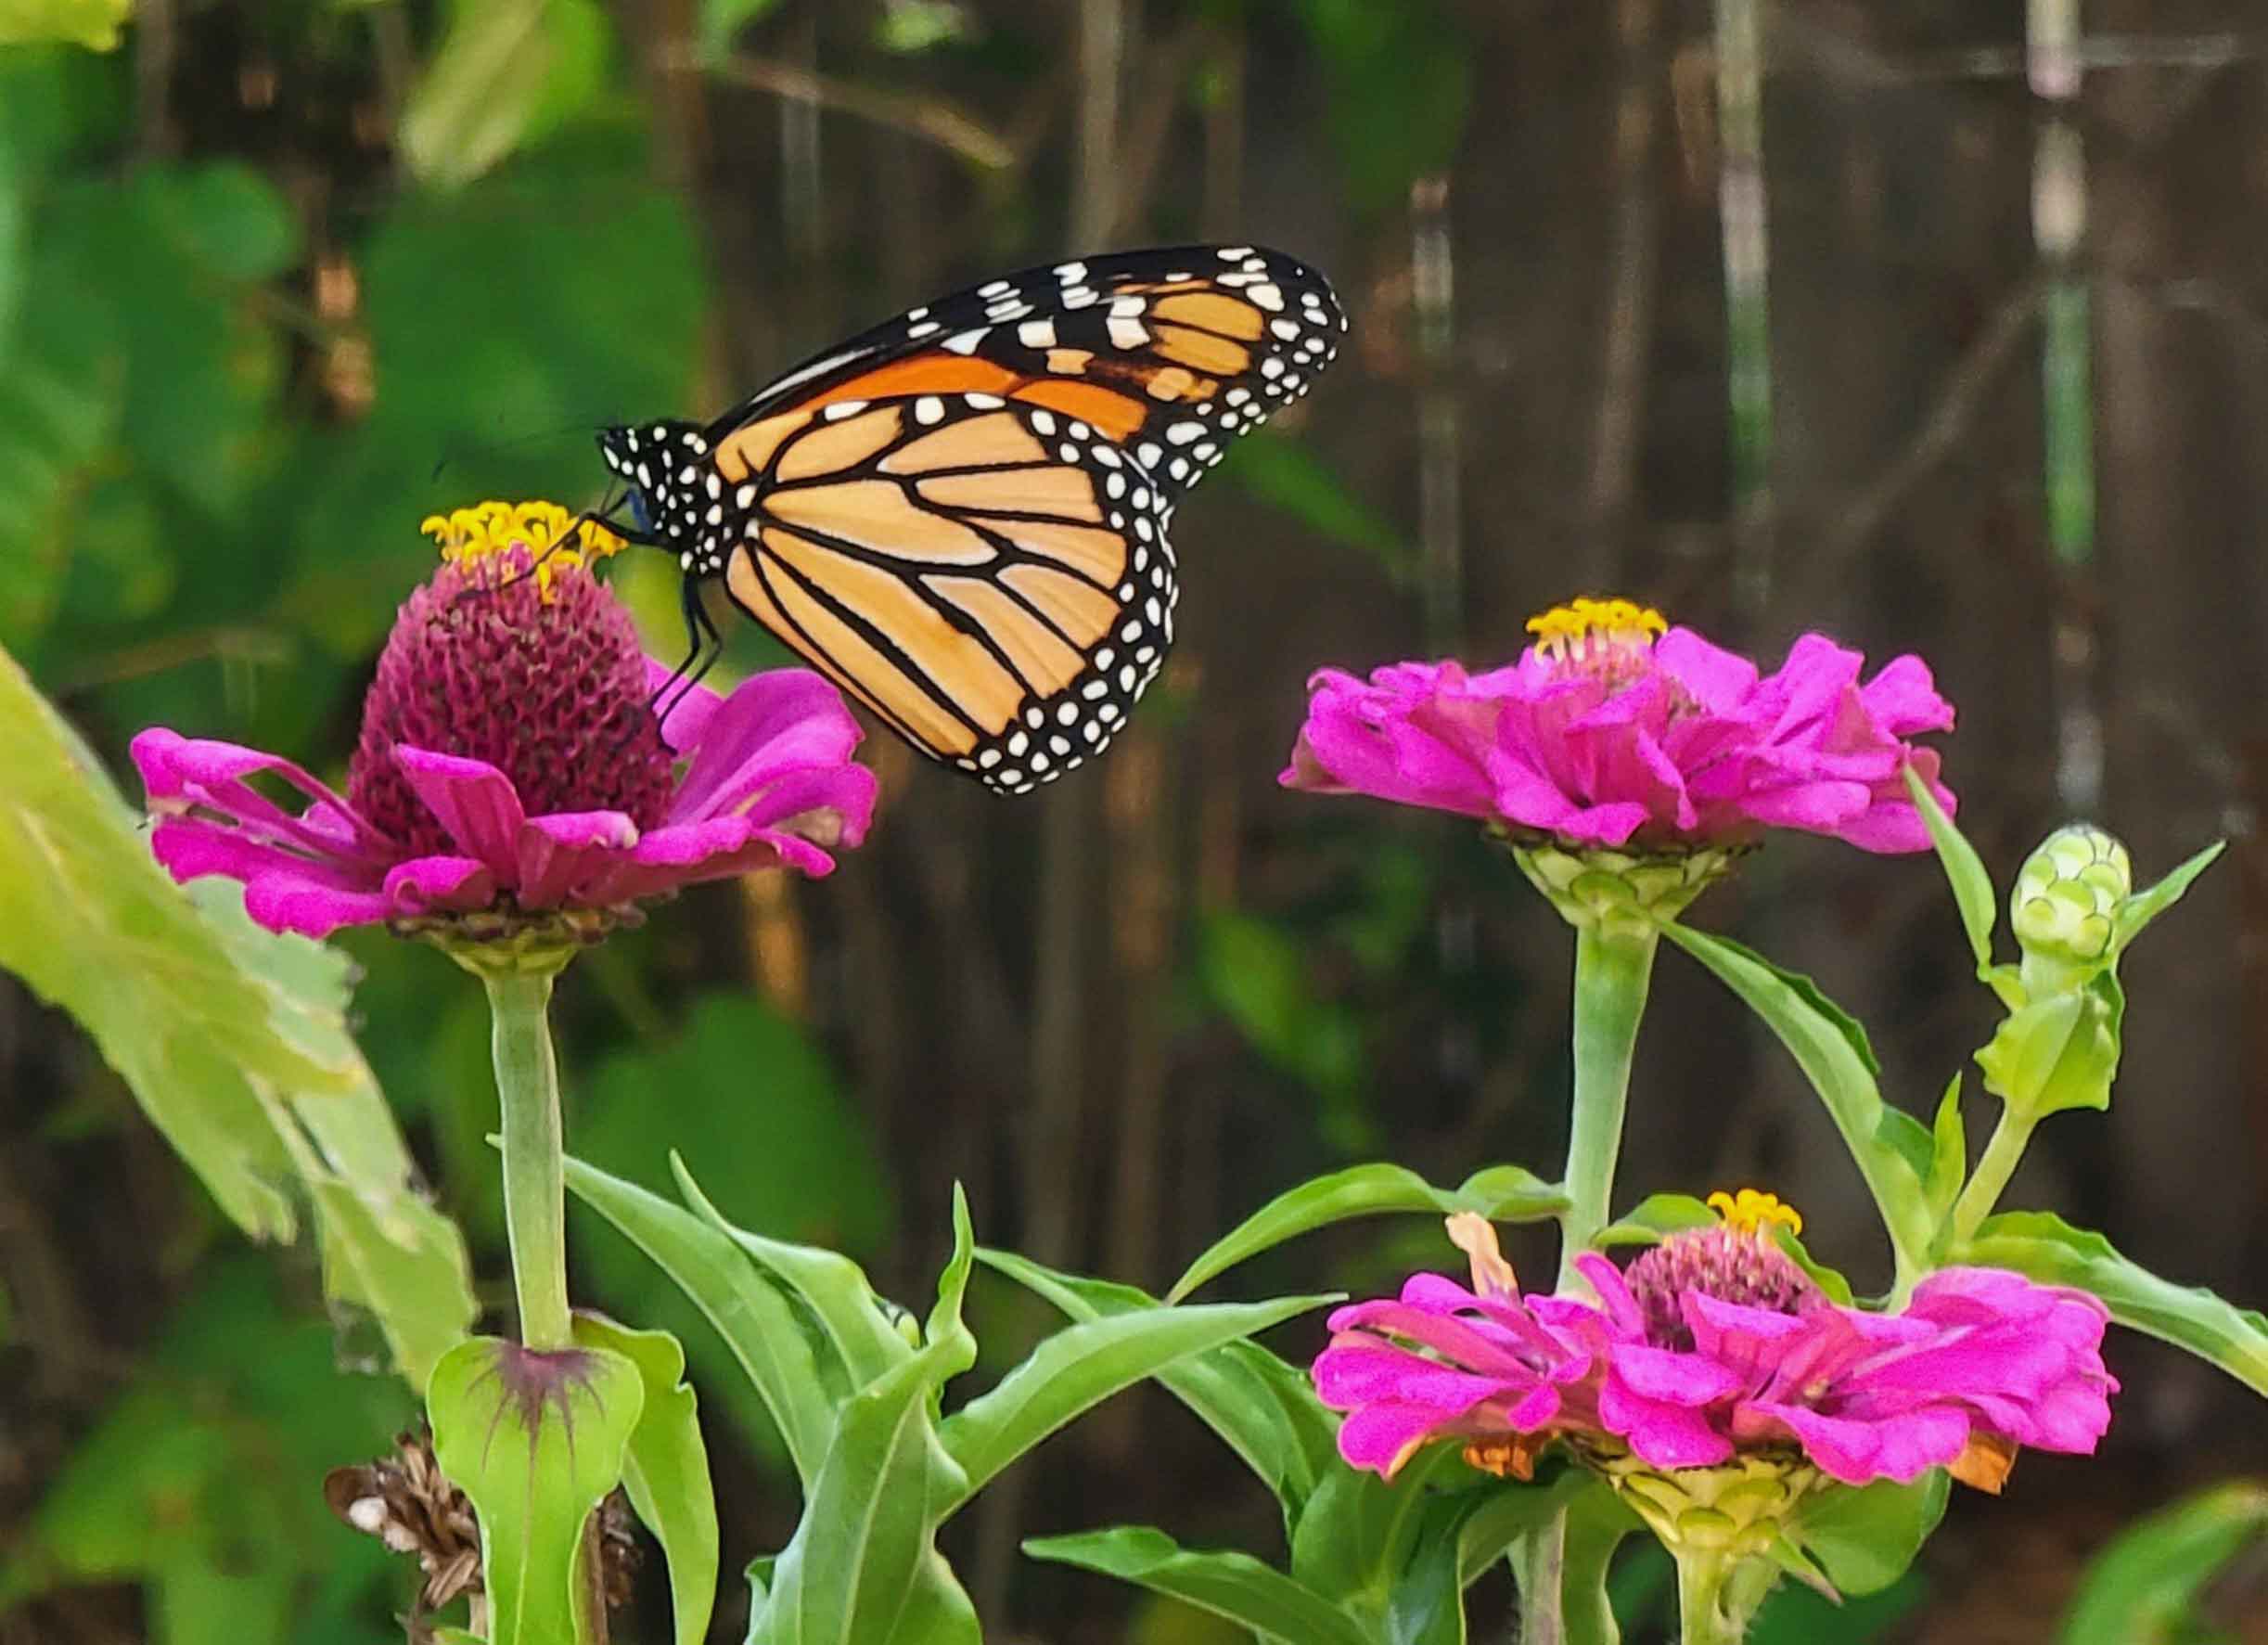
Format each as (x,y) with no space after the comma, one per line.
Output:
(1614,729)
(1716,1344)
(511,768)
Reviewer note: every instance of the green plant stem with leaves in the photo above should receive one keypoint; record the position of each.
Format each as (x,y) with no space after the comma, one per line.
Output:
(534,1152)
(2011,1135)
(1614,965)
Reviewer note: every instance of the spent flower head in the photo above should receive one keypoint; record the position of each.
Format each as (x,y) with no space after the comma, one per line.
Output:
(1616,732)
(512,788)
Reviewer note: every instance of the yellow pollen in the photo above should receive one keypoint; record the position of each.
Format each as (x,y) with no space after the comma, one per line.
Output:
(467,535)
(1595,630)
(1750,1212)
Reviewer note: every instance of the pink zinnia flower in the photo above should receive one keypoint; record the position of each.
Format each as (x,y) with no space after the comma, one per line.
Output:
(511,768)
(1715,1343)
(1614,729)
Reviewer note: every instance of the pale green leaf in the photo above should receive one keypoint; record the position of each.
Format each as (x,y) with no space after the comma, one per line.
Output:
(506,72)
(1231,1585)
(92,23)
(1964,871)
(2142,907)
(1864,1537)
(2144,1586)
(1655,1218)
(536,1441)
(666,1470)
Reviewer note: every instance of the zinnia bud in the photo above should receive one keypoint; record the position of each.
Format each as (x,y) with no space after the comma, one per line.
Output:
(2065,905)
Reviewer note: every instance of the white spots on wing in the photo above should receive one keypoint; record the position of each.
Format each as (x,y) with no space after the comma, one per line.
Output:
(1068,452)
(1234,253)
(994,288)
(922,329)
(1037,334)
(1286,329)
(964,342)
(1008,308)
(1126,333)
(1182,433)
(1071,273)
(918,314)
(715,515)
(1148,454)
(1114,486)
(1043,421)
(843,408)
(928,409)
(715,486)
(1126,308)
(989,758)
(1017,744)
(983,401)
(646,475)
(744,497)
(1079,297)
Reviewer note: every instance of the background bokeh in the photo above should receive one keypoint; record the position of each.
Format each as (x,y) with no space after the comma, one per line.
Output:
(1910,348)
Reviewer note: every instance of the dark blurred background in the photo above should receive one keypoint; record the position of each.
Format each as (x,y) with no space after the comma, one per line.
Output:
(1940,325)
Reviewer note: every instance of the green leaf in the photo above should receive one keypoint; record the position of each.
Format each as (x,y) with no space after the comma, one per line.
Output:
(92,23)
(1231,1585)
(832,1286)
(666,1472)
(536,1441)
(1257,972)
(1864,1537)
(2041,1245)
(1359,1532)
(1972,887)
(506,72)
(1399,82)
(1829,1280)
(1264,1409)
(1082,1365)
(721,21)
(1948,1154)
(1502,1193)
(1654,1219)
(2058,1052)
(1597,1524)
(232,1040)
(944,1322)
(749,1312)
(862,1567)
(2143,907)
(1511,1510)
(2145,1585)
(1290,476)
(1890,1148)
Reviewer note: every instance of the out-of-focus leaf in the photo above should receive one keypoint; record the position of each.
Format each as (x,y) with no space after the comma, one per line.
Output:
(1257,974)
(536,1441)
(2040,1244)
(722,20)
(1864,1538)
(2142,1588)
(1655,1218)
(1264,1409)
(1233,1585)
(506,72)
(234,1041)
(666,1470)
(748,1309)
(1502,1193)
(1400,86)
(1797,1615)
(92,23)
(1082,1365)
(1289,476)
(911,26)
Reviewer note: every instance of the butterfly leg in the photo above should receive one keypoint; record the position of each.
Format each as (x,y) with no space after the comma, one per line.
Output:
(702,636)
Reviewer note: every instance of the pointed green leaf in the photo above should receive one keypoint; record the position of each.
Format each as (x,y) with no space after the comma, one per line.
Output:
(507,71)
(952,1284)
(1265,1409)
(2040,1244)
(234,1040)
(1864,1537)
(536,1441)
(1502,1193)
(666,1473)
(1359,1532)
(90,23)
(2142,907)
(1654,1219)
(2058,1052)
(1231,1585)
(749,1312)
(2144,1584)
(1511,1510)
(833,1286)
(1948,1153)
(1890,1148)
(1972,887)
(1829,1280)
(862,1567)
(1082,1365)
(1597,1524)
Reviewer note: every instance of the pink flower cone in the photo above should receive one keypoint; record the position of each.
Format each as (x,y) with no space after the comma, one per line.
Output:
(1604,734)
(1715,1344)
(510,760)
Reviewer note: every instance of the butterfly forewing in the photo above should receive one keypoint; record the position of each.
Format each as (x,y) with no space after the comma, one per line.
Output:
(960,516)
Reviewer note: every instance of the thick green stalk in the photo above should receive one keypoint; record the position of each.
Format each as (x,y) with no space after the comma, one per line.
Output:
(1994,1166)
(1538,1560)
(534,1152)
(1614,964)
(1702,1618)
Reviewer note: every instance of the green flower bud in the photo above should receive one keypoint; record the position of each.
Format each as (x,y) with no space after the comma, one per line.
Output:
(1736,1507)
(2065,905)
(1620,889)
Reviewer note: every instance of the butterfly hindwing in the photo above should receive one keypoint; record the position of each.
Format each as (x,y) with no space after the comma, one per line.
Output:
(991,578)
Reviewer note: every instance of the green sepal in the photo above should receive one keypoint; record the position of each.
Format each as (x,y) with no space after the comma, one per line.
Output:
(2145,905)
(2042,1246)
(1948,1154)
(2060,1051)
(536,1441)
(666,1470)
(1501,1193)
(1863,1537)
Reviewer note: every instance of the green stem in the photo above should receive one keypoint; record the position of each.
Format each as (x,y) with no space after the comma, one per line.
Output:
(534,1153)
(1702,1618)
(1613,967)
(1990,1180)
(1538,1560)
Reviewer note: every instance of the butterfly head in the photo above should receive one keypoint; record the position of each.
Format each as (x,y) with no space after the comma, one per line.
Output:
(675,491)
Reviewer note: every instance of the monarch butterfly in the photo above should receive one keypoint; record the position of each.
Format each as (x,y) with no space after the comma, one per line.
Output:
(960,516)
